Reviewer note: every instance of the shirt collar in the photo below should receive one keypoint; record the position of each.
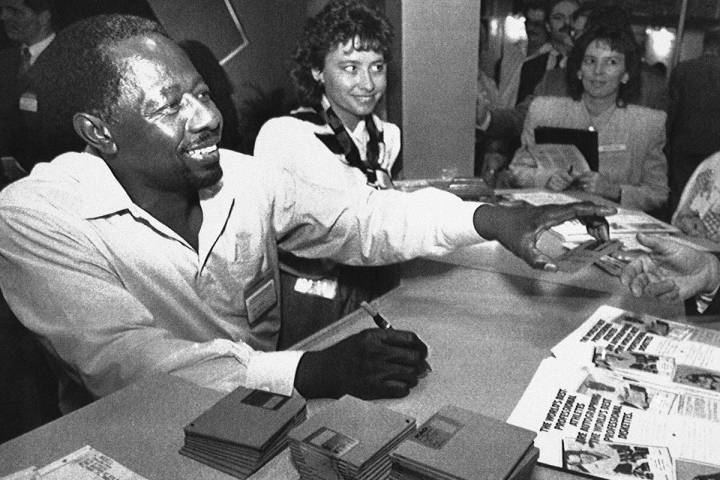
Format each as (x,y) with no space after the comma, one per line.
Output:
(360,131)
(38,47)
(103,195)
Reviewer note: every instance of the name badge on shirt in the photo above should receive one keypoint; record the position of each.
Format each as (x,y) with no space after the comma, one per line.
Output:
(612,147)
(260,296)
(28,102)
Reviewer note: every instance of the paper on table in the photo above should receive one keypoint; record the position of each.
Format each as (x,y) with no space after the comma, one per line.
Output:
(85,463)
(556,411)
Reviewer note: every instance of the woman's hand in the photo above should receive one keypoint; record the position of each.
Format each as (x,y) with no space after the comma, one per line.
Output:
(599,184)
(559,181)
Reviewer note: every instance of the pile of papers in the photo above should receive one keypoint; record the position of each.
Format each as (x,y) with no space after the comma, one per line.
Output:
(243,430)
(459,444)
(85,463)
(350,439)
(628,395)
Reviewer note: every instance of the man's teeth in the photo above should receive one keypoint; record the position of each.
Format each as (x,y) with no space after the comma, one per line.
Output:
(197,154)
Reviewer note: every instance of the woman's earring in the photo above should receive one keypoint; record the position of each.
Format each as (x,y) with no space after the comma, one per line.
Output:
(579,75)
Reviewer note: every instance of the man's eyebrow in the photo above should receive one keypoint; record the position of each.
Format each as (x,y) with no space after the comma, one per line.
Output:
(151,105)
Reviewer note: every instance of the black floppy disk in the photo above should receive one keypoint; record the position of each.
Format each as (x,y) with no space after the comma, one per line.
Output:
(586,254)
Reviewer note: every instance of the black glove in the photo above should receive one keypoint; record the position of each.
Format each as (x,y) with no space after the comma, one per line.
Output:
(374,363)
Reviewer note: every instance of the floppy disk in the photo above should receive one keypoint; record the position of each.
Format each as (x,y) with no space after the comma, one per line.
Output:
(586,254)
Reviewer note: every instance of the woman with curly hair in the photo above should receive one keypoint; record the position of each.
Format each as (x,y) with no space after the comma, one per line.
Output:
(334,137)
(603,77)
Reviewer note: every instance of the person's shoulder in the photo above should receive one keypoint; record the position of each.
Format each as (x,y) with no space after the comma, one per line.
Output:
(286,128)
(299,118)
(239,168)
(550,104)
(9,53)
(646,114)
(9,63)
(712,162)
(236,163)
(49,187)
(390,130)
(281,122)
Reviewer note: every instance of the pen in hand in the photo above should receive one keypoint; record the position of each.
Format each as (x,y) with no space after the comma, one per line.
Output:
(384,324)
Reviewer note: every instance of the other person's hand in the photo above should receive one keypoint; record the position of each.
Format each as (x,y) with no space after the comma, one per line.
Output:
(518,228)
(672,272)
(374,363)
(493,162)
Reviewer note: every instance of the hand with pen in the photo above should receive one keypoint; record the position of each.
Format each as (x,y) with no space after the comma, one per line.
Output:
(598,184)
(560,180)
(374,363)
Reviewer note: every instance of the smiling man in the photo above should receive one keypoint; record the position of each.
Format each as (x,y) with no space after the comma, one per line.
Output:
(153,251)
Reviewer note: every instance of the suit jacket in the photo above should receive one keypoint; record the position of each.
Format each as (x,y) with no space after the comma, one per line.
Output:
(9,97)
(20,128)
(693,124)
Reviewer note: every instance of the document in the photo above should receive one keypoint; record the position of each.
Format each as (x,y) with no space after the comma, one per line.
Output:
(586,141)
(625,380)
(554,156)
(618,461)
(83,464)
(557,410)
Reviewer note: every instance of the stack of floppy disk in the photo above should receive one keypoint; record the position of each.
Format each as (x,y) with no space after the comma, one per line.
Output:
(458,444)
(350,439)
(243,430)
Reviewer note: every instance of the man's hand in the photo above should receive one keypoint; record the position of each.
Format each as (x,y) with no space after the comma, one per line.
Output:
(518,228)
(374,363)
(672,272)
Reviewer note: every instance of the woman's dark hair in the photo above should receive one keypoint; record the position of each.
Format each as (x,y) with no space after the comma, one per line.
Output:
(620,40)
(338,22)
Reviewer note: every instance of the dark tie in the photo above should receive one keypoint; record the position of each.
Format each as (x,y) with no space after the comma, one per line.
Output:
(24,64)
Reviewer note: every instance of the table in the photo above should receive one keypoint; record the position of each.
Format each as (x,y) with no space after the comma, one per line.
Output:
(488,324)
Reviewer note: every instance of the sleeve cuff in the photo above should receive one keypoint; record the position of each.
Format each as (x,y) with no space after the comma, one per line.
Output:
(703,301)
(460,221)
(485,123)
(273,371)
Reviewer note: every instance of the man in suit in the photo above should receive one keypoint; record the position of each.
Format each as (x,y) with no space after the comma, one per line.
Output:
(693,132)
(29,25)
(512,71)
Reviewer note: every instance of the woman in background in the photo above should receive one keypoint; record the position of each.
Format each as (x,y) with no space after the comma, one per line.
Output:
(339,74)
(603,78)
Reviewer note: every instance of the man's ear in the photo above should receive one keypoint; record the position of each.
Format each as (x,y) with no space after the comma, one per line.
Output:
(317,75)
(95,133)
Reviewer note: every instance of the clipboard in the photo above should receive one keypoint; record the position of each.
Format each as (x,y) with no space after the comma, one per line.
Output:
(585,140)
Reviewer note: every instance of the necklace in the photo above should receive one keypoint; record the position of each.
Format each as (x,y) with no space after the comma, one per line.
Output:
(597,120)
